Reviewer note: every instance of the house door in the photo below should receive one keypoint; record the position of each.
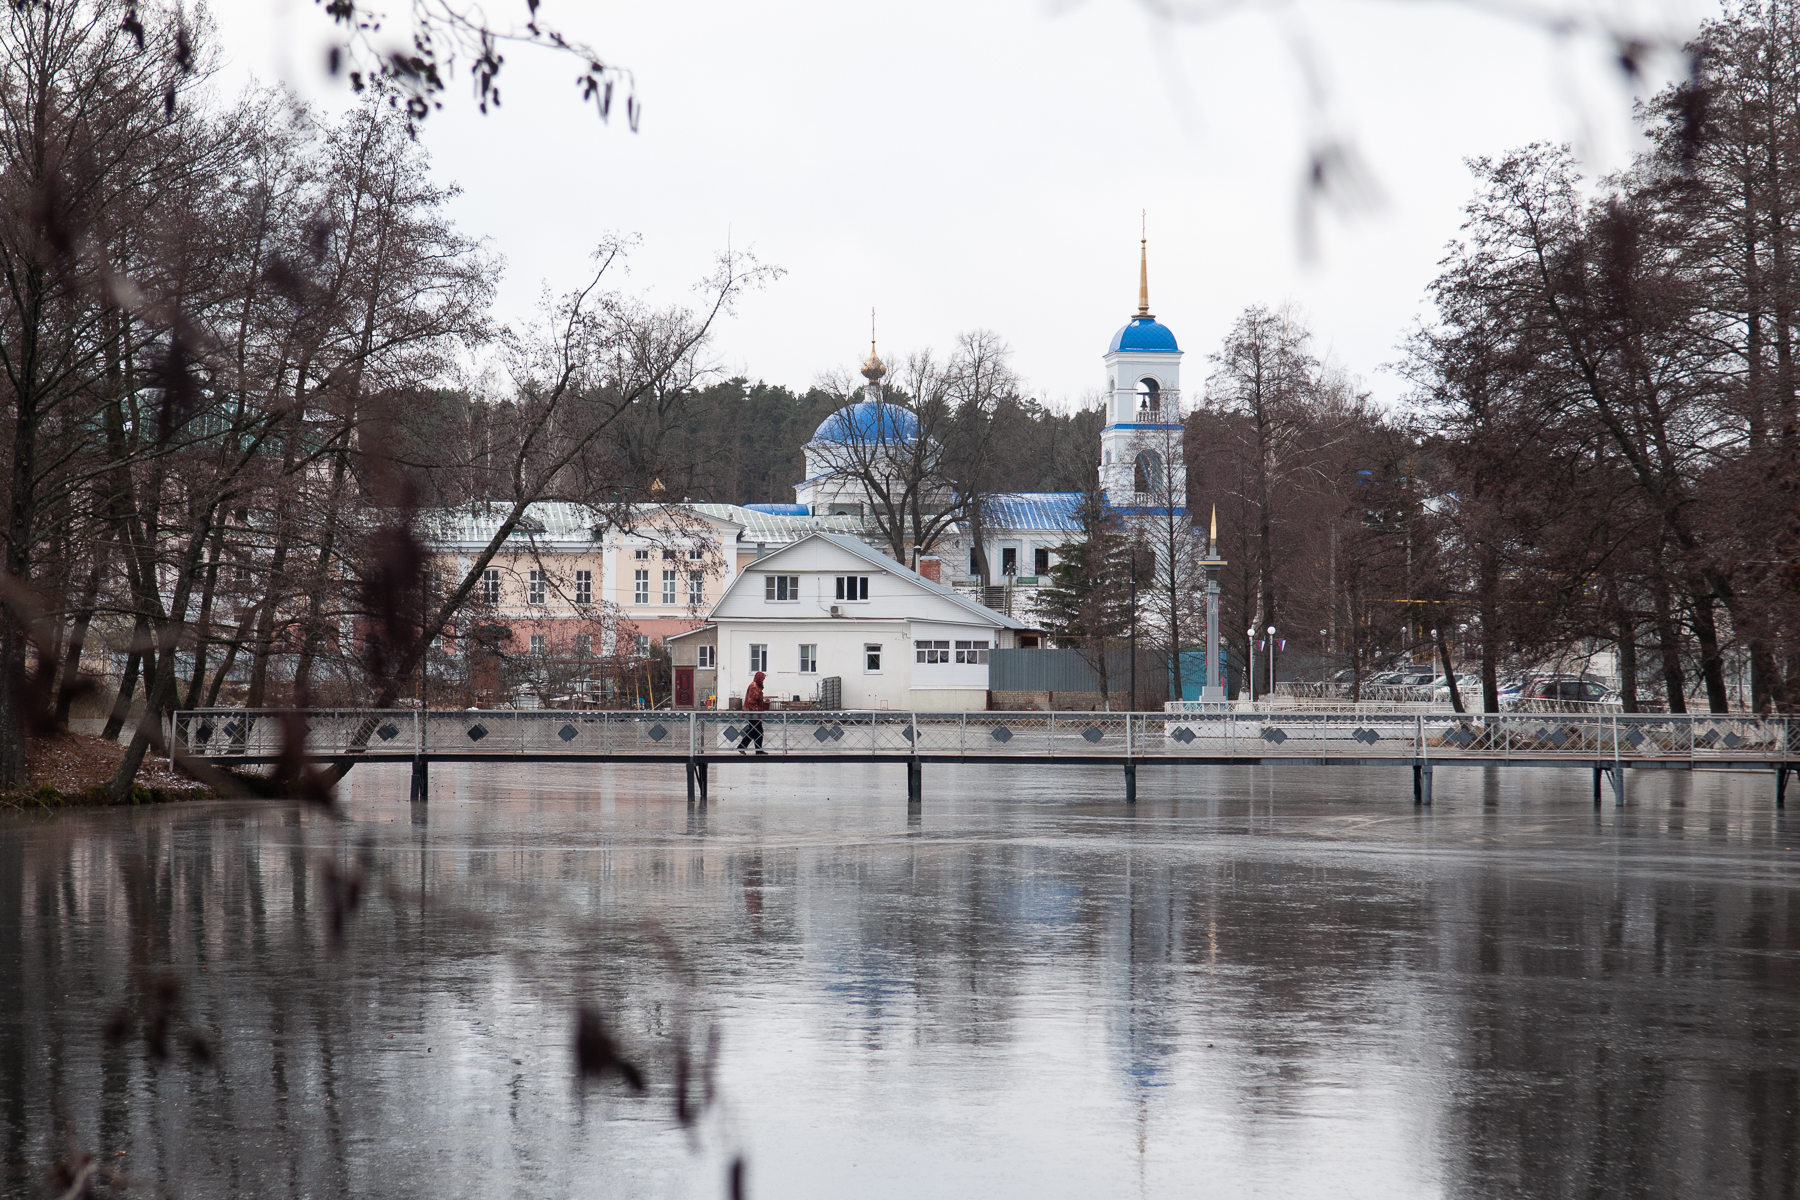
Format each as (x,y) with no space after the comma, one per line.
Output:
(684,687)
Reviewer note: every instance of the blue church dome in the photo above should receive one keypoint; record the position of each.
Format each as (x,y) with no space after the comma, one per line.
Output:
(868,421)
(1144,333)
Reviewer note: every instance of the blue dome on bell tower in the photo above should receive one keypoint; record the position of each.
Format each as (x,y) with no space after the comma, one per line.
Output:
(1144,333)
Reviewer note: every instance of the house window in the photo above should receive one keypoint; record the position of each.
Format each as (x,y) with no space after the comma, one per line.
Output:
(534,588)
(1040,561)
(759,658)
(781,587)
(932,652)
(974,561)
(1009,561)
(696,554)
(641,555)
(584,645)
(584,587)
(538,646)
(852,587)
(668,587)
(640,586)
(872,659)
(971,652)
(809,659)
(490,586)
(708,658)
(668,556)
(696,587)
(643,643)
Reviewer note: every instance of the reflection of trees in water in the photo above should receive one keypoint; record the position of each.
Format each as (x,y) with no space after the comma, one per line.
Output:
(402,1056)
(1607,1016)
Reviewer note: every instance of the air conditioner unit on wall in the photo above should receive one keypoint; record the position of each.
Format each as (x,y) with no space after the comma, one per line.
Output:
(837,610)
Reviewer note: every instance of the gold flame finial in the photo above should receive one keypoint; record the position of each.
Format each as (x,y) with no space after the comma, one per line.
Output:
(1213,537)
(874,368)
(1143,311)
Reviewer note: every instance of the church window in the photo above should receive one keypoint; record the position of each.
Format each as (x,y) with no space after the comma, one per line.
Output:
(1149,395)
(1147,477)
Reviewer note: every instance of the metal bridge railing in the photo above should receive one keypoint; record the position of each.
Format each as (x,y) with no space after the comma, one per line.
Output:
(502,733)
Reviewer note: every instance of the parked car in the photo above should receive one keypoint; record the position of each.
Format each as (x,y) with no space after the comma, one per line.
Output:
(1563,691)
(1466,686)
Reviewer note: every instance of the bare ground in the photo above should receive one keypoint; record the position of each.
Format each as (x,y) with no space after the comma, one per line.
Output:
(74,768)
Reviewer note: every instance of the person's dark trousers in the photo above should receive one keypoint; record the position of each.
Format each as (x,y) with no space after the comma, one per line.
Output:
(752,733)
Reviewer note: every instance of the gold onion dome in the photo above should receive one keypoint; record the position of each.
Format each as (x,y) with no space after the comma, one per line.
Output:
(874,368)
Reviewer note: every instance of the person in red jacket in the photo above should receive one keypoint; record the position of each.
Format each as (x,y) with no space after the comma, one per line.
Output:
(754,701)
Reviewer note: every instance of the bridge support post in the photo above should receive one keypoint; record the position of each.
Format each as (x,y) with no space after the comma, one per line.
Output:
(1130,782)
(421,780)
(693,780)
(700,777)
(1781,778)
(1596,785)
(915,781)
(1615,775)
(1421,784)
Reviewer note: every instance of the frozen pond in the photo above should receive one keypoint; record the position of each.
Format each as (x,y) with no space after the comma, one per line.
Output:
(1257,982)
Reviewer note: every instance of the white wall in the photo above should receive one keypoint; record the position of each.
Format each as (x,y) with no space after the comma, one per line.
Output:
(841,653)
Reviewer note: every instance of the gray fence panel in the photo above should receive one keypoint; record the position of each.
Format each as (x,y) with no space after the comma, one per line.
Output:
(1041,671)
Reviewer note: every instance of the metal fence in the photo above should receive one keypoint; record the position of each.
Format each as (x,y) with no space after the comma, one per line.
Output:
(544,733)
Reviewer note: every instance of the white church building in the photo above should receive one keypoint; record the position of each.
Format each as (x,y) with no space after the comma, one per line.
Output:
(1142,469)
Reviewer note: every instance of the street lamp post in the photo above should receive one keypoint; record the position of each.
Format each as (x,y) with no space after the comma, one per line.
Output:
(1250,662)
(1271,660)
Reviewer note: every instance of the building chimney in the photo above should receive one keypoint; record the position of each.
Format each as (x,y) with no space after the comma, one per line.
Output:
(931,567)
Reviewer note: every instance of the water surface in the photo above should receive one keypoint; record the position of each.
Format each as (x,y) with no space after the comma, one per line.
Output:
(1257,982)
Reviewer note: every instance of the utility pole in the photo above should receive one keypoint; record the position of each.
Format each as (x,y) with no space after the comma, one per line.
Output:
(1132,707)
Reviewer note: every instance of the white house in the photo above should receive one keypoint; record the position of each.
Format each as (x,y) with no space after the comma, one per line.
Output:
(829,605)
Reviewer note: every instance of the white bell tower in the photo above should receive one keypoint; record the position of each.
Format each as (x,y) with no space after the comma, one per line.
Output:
(1141,459)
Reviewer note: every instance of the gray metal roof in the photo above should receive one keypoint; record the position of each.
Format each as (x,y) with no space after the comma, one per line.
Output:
(777,528)
(548,520)
(876,558)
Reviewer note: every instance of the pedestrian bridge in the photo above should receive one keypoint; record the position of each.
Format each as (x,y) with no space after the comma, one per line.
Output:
(1607,743)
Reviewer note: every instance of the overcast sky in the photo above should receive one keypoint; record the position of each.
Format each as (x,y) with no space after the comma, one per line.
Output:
(983,163)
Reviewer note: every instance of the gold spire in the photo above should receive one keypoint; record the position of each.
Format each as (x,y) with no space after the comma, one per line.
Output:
(874,368)
(1213,537)
(1143,311)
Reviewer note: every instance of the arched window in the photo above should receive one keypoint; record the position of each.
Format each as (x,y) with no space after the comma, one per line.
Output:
(1149,395)
(1147,476)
